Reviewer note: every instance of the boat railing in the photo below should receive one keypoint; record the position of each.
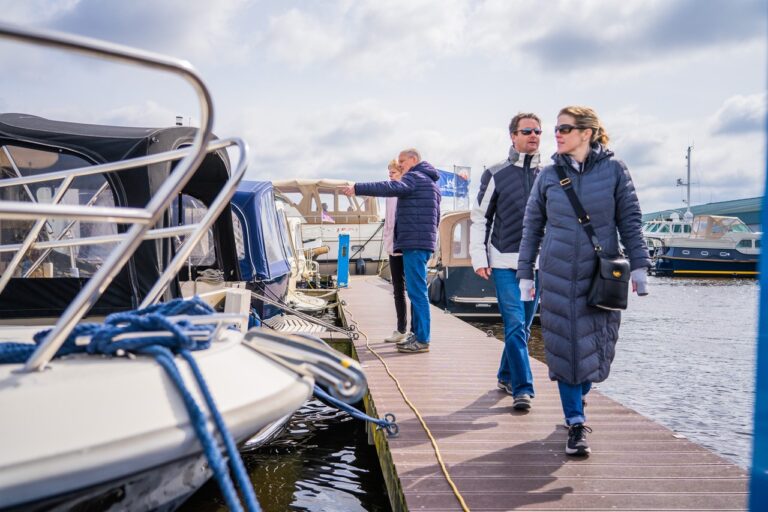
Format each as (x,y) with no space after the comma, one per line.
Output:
(140,220)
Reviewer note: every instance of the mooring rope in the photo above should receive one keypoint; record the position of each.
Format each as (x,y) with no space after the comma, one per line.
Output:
(388,423)
(163,348)
(415,410)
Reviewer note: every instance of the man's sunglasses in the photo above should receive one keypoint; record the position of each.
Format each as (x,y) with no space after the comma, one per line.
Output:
(528,131)
(565,129)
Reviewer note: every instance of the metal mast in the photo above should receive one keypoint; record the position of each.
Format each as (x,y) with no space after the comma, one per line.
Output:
(688,216)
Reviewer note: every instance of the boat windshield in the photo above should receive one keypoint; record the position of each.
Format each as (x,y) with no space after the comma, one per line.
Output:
(73,261)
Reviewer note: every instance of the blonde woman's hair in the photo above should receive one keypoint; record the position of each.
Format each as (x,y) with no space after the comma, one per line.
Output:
(392,163)
(586,117)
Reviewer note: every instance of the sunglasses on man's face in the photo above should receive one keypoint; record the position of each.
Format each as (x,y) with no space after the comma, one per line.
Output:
(565,129)
(528,131)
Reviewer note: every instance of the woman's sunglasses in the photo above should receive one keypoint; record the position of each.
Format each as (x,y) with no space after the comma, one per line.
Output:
(528,131)
(565,129)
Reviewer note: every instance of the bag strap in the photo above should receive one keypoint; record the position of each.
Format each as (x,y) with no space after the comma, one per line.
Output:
(581,214)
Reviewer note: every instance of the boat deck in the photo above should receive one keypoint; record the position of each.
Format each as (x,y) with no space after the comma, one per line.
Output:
(502,459)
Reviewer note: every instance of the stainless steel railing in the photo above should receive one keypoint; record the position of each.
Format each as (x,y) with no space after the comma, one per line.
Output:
(140,219)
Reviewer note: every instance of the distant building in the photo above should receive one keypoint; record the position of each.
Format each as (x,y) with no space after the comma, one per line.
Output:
(748,210)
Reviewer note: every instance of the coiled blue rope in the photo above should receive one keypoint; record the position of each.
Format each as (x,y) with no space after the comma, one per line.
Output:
(388,423)
(162,348)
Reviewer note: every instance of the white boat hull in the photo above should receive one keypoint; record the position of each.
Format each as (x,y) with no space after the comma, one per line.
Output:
(89,419)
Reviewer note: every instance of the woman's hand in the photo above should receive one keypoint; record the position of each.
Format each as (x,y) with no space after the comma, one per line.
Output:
(640,281)
(527,290)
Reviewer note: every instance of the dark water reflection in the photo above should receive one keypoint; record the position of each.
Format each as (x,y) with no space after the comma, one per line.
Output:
(321,463)
(686,358)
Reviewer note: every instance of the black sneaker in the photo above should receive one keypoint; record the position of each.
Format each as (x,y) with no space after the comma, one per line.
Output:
(577,440)
(504,386)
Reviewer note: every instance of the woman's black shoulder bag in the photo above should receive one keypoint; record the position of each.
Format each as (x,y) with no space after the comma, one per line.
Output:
(610,282)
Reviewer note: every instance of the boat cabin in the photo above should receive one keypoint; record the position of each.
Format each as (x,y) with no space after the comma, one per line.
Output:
(46,280)
(321,202)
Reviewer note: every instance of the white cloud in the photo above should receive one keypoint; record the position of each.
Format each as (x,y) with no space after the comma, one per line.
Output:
(300,39)
(740,114)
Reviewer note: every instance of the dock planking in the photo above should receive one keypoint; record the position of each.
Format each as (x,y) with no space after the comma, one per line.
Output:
(502,459)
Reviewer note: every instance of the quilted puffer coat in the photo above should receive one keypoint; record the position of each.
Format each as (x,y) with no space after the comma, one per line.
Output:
(418,206)
(579,340)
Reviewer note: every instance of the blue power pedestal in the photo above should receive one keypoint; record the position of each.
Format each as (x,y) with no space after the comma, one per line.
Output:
(342,269)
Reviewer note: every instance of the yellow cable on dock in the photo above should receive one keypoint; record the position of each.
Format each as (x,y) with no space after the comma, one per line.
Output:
(432,439)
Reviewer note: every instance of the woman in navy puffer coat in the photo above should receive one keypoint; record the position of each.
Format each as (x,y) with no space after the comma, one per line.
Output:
(579,339)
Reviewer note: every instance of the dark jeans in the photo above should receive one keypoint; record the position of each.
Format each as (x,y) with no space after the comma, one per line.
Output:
(398,283)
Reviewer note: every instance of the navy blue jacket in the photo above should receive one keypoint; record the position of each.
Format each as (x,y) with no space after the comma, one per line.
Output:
(579,340)
(418,206)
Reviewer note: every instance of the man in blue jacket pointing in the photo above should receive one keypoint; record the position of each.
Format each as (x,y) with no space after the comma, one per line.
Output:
(416,221)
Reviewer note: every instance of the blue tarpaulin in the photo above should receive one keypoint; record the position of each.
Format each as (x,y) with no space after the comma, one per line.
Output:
(452,184)
(264,237)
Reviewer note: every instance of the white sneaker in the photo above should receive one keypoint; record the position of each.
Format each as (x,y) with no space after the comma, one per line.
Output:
(396,336)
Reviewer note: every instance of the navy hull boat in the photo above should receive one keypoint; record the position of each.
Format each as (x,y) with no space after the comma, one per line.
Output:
(717,246)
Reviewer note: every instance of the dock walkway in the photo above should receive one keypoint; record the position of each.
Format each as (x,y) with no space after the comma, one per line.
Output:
(502,459)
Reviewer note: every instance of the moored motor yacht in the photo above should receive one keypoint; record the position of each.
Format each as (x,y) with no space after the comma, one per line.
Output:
(716,246)
(327,213)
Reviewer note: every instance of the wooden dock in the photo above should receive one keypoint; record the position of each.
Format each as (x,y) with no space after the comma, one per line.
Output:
(502,459)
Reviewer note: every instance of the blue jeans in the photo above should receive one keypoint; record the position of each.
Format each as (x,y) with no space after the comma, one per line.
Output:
(415,266)
(570,398)
(517,315)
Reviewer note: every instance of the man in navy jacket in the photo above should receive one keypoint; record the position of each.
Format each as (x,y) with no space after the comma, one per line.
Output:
(495,234)
(416,221)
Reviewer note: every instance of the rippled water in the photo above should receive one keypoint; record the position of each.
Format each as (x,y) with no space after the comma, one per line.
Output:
(686,358)
(321,463)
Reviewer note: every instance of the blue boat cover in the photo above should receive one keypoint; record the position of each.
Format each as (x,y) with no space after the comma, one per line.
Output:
(264,232)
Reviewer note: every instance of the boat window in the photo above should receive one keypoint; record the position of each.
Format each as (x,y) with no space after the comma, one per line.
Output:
(204,253)
(664,229)
(677,228)
(347,204)
(687,228)
(294,198)
(76,261)
(327,201)
(739,228)
(744,244)
(460,240)
(239,236)
(285,233)
(757,244)
(272,240)
(652,228)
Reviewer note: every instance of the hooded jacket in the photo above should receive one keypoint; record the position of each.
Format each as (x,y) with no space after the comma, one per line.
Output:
(579,340)
(418,206)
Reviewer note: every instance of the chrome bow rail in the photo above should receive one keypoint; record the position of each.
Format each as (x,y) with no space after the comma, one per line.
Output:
(140,219)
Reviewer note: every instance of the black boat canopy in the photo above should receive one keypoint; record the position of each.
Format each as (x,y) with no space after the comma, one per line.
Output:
(61,145)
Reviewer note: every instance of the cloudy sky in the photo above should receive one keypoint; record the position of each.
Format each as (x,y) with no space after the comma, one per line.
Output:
(335,88)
